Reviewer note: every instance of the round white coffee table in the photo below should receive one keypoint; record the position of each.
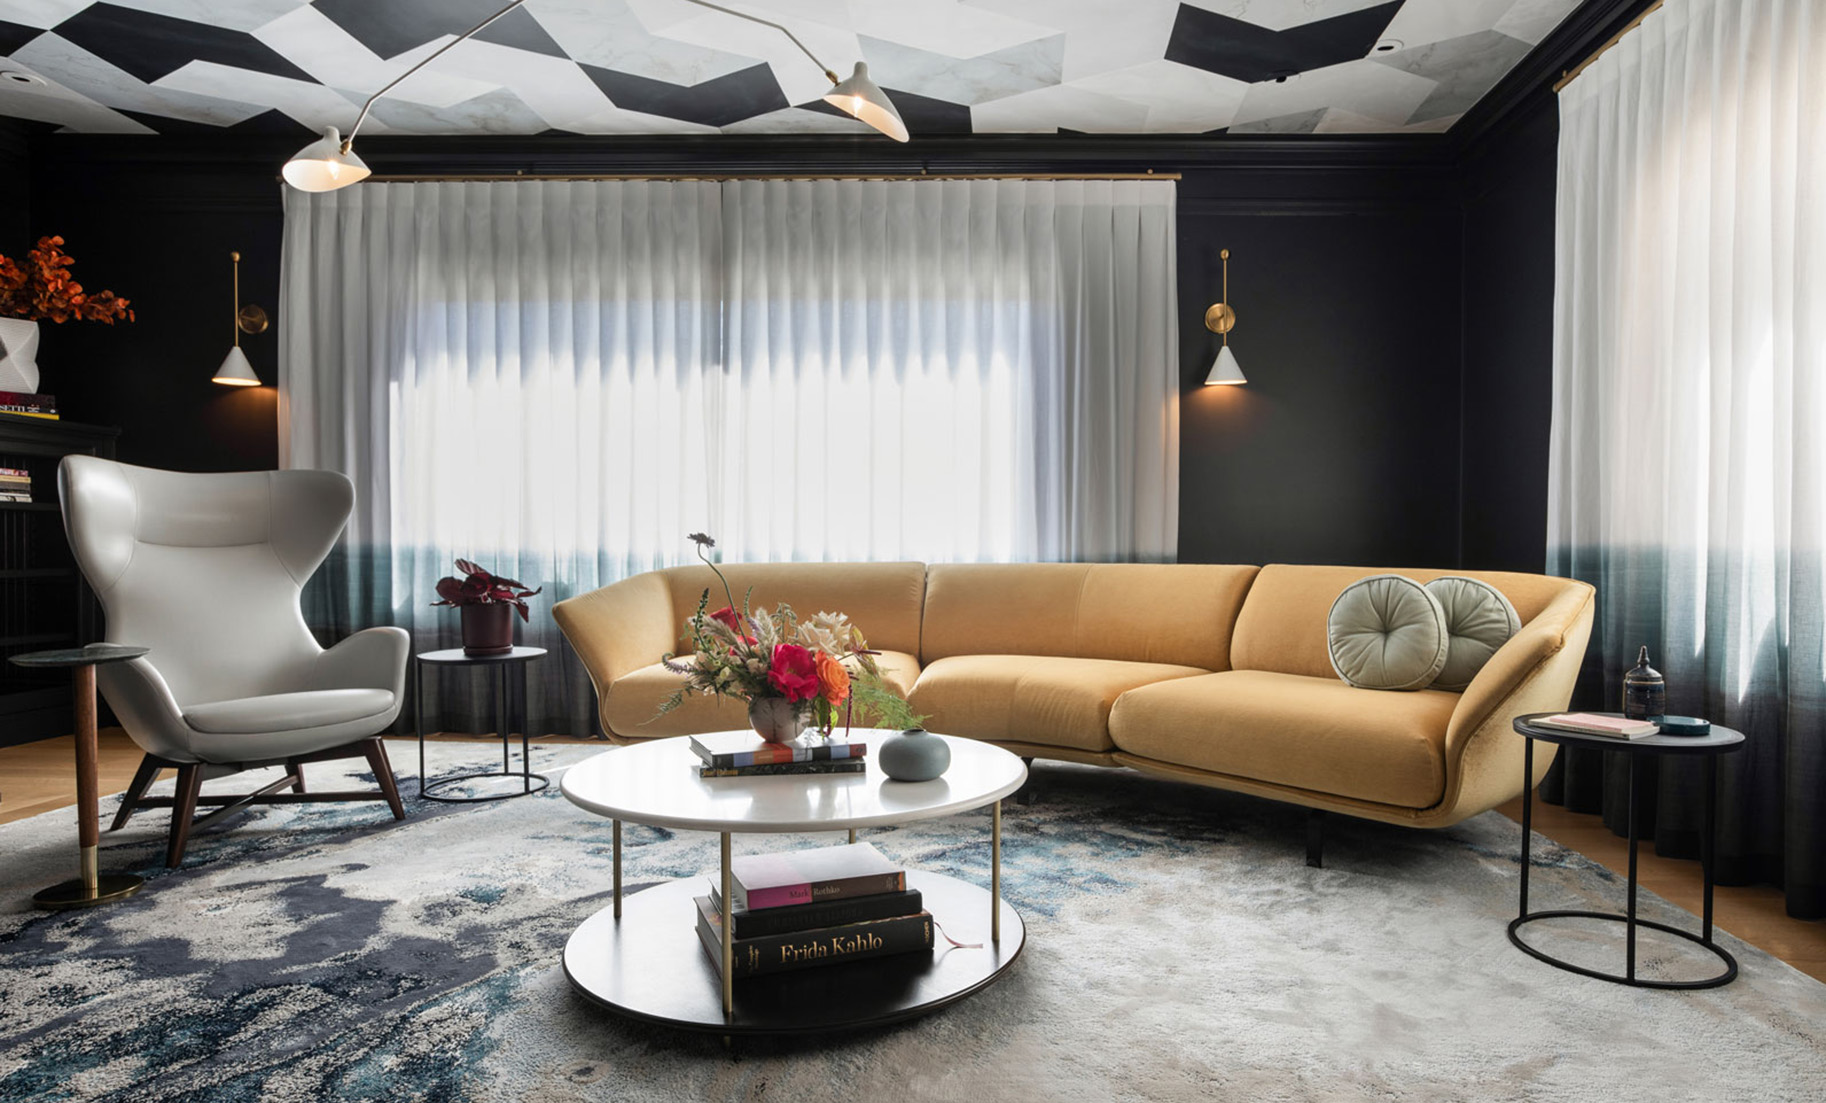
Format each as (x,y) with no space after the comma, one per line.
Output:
(645,960)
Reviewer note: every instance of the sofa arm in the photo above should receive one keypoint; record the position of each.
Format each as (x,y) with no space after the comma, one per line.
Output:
(145,707)
(374,658)
(620,628)
(1534,672)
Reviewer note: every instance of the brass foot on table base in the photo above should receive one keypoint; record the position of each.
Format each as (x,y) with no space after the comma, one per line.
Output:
(74,894)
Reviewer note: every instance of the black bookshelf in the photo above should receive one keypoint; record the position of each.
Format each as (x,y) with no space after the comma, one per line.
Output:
(44,602)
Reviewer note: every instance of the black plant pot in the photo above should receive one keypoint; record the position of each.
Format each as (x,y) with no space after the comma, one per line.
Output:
(488,629)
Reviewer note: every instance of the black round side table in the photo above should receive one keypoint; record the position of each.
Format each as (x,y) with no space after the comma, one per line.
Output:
(91,886)
(1719,741)
(518,658)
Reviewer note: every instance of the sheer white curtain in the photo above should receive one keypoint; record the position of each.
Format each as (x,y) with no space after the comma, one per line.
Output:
(1689,434)
(976,370)
(560,380)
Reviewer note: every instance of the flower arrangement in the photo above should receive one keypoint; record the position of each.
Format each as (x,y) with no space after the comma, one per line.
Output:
(785,669)
(478,587)
(41,290)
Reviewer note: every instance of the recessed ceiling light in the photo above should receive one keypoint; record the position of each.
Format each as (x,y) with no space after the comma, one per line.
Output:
(14,76)
(1389,45)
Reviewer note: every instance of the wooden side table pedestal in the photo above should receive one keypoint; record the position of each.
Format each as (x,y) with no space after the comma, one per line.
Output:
(91,886)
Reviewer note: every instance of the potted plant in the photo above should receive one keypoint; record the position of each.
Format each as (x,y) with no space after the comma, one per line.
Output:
(488,602)
(41,290)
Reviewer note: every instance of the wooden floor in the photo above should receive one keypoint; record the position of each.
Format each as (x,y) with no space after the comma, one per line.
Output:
(40,777)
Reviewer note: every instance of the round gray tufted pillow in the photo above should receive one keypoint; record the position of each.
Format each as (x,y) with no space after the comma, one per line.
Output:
(1479,619)
(1387,632)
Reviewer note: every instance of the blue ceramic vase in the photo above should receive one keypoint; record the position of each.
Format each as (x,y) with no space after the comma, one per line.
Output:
(913,755)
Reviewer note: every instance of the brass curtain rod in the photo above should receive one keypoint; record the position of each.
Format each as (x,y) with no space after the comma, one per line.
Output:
(1572,74)
(631,177)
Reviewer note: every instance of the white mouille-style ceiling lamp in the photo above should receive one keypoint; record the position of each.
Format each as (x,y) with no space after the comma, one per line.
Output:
(1220,318)
(235,370)
(330,162)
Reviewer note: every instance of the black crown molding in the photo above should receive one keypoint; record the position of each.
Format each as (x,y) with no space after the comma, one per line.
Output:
(1529,85)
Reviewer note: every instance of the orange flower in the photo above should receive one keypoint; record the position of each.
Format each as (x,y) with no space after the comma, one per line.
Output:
(833,680)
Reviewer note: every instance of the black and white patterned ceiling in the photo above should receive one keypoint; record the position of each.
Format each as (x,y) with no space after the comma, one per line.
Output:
(666,66)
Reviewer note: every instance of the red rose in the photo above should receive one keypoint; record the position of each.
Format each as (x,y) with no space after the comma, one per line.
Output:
(793,672)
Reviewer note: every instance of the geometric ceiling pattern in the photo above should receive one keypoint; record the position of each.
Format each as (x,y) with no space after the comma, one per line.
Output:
(668,67)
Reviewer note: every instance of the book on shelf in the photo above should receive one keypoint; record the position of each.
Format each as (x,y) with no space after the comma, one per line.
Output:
(14,473)
(1592,723)
(766,769)
(823,913)
(30,413)
(15,496)
(790,877)
(803,949)
(747,749)
(22,402)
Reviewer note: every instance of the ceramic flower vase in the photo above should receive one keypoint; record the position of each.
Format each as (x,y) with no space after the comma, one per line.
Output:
(18,355)
(488,628)
(913,755)
(775,719)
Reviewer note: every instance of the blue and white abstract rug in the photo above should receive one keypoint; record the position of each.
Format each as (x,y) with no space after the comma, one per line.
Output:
(1178,949)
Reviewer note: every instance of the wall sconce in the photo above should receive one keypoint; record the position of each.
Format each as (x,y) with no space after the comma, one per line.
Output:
(1222,319)
(235,370)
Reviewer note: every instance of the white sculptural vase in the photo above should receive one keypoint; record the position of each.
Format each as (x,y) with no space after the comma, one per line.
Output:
(18,355)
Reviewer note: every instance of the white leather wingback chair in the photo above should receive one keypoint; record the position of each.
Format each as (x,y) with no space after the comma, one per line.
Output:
(206,570)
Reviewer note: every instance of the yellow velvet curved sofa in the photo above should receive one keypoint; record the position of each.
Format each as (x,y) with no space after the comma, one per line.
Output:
(1211,674)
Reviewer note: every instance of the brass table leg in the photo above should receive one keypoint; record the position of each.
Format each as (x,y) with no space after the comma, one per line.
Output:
(617,824)
(852,834)
(728,925)
(90,887)
(995,875)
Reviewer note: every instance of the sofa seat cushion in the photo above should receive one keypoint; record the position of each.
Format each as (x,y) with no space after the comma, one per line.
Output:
(1048,701)
(1288,729)
(631,706)
(282,712)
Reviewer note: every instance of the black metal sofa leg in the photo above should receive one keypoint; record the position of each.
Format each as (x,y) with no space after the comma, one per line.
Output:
(1315,838)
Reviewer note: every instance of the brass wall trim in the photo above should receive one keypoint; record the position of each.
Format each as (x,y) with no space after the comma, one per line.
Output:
(378,178)
(1572,74)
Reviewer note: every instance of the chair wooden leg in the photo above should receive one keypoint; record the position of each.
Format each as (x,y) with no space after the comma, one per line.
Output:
(383,773)
(142,779)
(183,810)
(293,766)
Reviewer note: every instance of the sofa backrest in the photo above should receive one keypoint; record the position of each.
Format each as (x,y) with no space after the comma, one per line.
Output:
(1179,613)
(882,599)
(1282,626)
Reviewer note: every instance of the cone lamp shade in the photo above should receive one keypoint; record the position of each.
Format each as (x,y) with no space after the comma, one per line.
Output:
(325,165)
(235,370)
(863,98)
(1225,370)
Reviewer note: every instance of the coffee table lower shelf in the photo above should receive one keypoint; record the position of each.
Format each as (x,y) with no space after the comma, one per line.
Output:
(649,965)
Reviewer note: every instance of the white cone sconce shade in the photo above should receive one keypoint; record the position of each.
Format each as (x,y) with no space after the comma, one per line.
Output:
(1221,318)
(863,98)
(236,371)
(1225,370)
(325,165)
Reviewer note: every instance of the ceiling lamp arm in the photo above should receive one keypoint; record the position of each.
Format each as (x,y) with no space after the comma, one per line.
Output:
(803,48)
(390,85)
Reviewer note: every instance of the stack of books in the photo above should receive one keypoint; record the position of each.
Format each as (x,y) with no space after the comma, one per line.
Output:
(1594,723)
(804,908)
(30,405)
(15,485)
(742,754)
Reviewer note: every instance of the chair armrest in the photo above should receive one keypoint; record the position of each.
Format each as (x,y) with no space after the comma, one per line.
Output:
(374,658)
(143,703)
(619,628)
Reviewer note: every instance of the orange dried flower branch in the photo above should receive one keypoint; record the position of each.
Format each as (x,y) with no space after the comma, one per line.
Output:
(41,289)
